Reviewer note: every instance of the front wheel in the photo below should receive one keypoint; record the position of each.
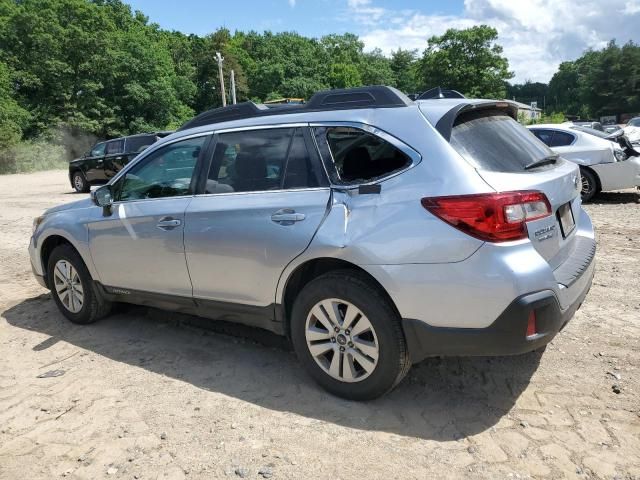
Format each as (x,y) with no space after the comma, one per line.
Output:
(73,288)
(80,183)
(348,337)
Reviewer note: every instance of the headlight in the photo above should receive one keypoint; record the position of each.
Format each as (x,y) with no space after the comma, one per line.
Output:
(36,222)
(620,155)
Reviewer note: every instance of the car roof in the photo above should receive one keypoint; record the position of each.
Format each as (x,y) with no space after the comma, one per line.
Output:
(557,126)
(377,96)
(353,104)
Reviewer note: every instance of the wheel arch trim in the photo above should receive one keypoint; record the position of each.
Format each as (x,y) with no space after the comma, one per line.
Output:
(329,264)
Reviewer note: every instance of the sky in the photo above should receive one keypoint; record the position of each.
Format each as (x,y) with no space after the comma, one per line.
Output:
(537,35)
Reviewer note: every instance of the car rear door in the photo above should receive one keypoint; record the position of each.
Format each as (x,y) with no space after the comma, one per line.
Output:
(114,154)
(260,205)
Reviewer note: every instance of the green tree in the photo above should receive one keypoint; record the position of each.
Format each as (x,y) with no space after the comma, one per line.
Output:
(404,65)
(13,118)
(375,69)
(467,60)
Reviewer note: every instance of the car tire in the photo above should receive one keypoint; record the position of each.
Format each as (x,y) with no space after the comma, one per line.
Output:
(589,185)
(371,354)
(80,183)
(66,272)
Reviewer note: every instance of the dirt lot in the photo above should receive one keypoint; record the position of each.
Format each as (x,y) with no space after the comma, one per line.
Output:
(143,396)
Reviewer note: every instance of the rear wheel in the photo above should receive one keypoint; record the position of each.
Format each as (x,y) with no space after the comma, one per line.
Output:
(80,183)
(348,336)
(73,288)
(589,185)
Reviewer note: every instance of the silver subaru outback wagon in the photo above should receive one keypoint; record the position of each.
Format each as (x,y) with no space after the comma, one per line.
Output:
(372,230)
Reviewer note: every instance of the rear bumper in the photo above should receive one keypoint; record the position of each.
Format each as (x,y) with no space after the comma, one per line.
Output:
(506,335)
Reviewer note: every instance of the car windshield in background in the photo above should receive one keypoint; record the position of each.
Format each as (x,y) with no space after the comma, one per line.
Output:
(590,131)
(138,144)
(494,141)
(634,122)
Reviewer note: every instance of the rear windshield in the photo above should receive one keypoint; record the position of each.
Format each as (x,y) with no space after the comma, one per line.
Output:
(590,131)
(139,143)
(491,140)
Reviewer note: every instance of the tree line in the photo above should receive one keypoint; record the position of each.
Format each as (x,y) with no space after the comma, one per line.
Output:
(98,67)
(599,83)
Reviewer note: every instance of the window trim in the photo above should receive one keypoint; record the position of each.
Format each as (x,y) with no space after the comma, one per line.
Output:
(413,154)
(311,148)
(197,170)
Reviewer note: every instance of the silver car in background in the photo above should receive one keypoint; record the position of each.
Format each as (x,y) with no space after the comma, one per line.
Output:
(607,161)
(371,230)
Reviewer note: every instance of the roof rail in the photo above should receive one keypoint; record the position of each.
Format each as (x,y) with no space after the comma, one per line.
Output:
(439,92)
(340,99)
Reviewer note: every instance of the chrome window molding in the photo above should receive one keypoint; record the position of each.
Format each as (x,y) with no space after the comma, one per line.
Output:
(413,154)
(280,190)
(270,126)
(138,200)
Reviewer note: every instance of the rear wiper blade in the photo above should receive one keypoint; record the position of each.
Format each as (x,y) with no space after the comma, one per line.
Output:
(541,162)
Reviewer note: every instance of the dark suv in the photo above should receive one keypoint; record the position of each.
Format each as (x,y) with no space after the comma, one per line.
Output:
(105,159)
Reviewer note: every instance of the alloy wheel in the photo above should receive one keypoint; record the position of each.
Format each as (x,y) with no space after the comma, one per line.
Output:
(68,286)
(342,340)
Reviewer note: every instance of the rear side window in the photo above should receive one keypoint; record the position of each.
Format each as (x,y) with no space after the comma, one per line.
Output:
(260,160)
(561,139)
(138,144)
(358,156)
(114,147)
(545,136)
(490,140)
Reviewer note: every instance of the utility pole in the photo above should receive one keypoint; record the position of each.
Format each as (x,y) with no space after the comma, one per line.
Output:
(233,87)
(223,92)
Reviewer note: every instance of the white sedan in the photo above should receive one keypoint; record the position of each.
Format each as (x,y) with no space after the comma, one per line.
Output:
(607,162)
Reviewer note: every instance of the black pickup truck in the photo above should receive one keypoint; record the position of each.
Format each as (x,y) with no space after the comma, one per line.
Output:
(105,159)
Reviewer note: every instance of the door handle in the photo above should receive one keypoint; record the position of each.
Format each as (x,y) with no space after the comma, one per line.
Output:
(168,223)
(287,216)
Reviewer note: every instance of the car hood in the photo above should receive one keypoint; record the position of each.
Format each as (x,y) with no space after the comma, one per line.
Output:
(78,205)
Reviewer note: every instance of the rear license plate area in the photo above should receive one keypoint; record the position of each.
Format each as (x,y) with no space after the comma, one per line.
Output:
(566,220)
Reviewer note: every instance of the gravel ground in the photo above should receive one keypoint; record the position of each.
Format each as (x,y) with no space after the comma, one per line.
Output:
(142,395)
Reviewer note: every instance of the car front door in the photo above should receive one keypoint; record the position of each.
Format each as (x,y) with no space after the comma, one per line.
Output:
(93,163)
(113,158)
(265,196)
(139,245)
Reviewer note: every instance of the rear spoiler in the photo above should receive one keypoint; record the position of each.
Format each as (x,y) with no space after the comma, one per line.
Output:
(448,120)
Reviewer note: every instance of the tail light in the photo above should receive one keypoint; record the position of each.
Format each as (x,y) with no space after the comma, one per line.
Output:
(492,217)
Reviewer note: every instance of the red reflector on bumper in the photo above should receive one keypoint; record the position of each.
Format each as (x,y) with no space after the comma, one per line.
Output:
(531,324)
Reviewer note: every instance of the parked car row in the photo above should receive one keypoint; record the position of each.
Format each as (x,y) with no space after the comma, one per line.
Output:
(372,230)
(105,159)
(607,161)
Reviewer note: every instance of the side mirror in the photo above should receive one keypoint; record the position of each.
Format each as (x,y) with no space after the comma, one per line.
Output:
(103,197)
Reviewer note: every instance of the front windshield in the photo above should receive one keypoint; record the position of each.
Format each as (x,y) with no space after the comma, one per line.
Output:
(634,122)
